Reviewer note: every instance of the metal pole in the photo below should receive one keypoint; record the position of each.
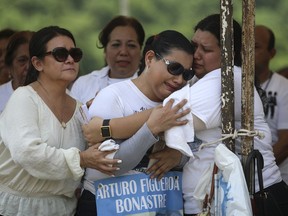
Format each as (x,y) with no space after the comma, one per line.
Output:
(124,7)
(248,71)
(227,76)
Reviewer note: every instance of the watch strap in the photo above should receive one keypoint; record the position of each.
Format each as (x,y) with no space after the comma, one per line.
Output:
(106,122)
(105,129)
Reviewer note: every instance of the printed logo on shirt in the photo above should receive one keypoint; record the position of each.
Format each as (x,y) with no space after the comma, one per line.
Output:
(140,110)
(271,104)
(195,144)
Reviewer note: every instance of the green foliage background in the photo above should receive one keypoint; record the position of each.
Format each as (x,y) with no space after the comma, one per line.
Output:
(85,18)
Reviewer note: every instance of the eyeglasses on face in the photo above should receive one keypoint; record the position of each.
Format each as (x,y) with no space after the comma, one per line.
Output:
(176,69)
(61,54)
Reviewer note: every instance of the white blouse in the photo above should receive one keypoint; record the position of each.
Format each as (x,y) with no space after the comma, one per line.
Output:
(39,159)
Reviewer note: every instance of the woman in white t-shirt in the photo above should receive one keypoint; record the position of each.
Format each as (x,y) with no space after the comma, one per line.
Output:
(206,64)
(205,100)
(167,59)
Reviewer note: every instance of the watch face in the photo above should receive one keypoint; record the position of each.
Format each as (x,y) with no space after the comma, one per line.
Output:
(105,131)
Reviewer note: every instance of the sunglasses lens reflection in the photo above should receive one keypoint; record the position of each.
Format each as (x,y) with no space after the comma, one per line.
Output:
(175,68)
(188,74)
(76,54)
(61,54)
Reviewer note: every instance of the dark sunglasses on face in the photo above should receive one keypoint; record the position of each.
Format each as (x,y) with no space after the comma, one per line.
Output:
(176,69)
(61,54)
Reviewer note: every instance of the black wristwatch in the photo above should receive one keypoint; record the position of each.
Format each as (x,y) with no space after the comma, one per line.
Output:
(105,129)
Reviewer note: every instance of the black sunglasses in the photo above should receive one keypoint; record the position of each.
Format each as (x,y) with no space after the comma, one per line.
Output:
(176,68)
(61,54)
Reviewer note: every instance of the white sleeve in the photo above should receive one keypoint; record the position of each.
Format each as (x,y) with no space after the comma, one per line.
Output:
(107,104)
(205,99)
(20,133)
(132,150)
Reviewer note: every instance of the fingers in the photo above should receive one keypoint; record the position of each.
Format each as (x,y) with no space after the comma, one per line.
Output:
(184,112)
(170,103)
(87,132)
(166,160)
(180,105)
(95,159)
(91,130)
(108,166)
(157,170)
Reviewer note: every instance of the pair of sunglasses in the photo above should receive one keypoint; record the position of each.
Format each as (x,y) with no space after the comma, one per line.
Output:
(176,69)
(61,54)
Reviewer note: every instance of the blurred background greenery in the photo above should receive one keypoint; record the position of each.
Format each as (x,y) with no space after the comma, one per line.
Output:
(85,18)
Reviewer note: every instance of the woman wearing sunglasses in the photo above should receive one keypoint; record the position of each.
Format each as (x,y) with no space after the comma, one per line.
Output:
(166,64)
(42,150)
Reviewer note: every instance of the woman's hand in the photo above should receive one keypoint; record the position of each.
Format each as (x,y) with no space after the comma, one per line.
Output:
(92,130)
(166,159)
(163,118)
(96,159)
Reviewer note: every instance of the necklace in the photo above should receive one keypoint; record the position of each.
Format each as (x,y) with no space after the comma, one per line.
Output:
(63,124)
(270,77)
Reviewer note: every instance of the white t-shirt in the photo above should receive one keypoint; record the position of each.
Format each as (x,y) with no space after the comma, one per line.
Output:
(118,100)
(40,161)
(207,91)
(204,98)
(87,87)
(6,90)
(277,111)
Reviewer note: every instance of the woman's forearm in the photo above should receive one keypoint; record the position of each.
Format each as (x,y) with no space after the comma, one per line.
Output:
(125,127)
(132,150)
(158,120)
(121,128)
